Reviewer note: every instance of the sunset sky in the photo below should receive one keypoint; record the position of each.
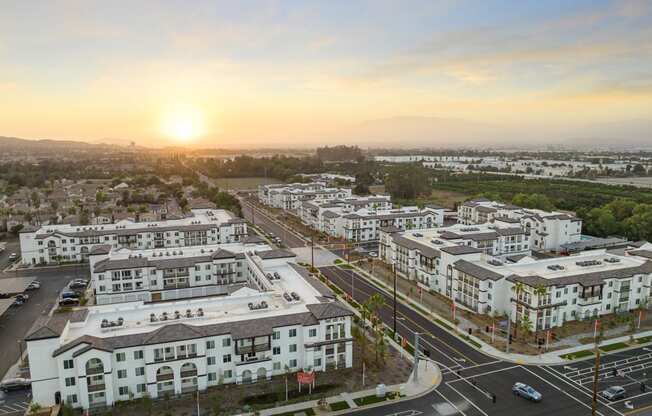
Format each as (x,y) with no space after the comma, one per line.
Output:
(302,73)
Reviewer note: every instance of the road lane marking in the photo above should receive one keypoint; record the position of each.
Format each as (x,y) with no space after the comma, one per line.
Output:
(485,373)
(563,391)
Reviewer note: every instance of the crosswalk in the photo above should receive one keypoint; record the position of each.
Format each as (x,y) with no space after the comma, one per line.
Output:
(13,408)
(627,365)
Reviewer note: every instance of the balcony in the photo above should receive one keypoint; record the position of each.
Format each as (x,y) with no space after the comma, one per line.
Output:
(165,376)
(94,370)
(252,349)
(177,285)
(254,360)
(591,300)
(96,387)
(189,373)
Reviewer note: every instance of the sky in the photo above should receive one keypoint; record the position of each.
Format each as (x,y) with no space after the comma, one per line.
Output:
(305,73)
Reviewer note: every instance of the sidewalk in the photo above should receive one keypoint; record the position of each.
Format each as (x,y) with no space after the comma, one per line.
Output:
(428,379)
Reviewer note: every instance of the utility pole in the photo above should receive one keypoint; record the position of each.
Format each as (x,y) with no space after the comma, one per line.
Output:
(509,329)
(394,301)
(416,357)
(253,214)
(596,374)
(312,251)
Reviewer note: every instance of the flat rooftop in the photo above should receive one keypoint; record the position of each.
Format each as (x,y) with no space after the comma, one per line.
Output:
(216,310)
(200,217)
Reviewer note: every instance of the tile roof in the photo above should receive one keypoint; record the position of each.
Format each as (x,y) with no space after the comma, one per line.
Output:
(476,270)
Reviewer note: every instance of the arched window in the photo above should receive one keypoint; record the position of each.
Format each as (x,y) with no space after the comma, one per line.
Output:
(94,366)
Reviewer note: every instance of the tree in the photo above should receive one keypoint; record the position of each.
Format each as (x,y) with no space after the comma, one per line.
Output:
(407,181)
(16,229)
(375,304)
(147,403)
(517,288)
(525,325)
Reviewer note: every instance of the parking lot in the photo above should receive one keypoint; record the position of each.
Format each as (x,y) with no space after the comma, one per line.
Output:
(629,369)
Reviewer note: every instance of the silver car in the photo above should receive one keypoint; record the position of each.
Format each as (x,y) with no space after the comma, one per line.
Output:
(614,393)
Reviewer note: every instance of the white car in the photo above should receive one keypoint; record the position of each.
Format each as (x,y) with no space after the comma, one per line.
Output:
(34,285)
(373,254)
(13,256)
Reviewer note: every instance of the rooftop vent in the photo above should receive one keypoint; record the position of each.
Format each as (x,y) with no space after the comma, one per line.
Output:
(555,267)
(495,262)
(587,263)
(612,260)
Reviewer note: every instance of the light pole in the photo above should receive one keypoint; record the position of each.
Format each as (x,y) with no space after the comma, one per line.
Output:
(394,300)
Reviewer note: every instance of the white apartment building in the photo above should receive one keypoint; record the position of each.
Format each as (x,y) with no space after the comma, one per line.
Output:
(290,196)
(548,230)
(319,215)
(548,292)
(428,255)
(70,243)
(124,275)
(95,357)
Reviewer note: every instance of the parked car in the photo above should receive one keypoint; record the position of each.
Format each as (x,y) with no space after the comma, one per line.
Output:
(68,294)
(34,285)
(18,302)
(523,390)
(614,393)
(69,302)
(373,254)
(11,384)
(22,297)
(78,284)
(13,256)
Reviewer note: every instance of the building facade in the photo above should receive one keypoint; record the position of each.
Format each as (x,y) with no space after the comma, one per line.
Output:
(290,196)
(72,243)
(548,230)
(283,319)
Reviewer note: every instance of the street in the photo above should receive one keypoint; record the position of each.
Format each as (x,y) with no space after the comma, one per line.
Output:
(270,226)
(471,378)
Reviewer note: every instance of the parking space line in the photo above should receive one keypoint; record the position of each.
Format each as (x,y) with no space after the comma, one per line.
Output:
(563,391)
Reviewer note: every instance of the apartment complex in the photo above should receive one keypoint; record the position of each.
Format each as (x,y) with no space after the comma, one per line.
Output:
(494,280)
(124,275)
(70,243)
(320,215)
(428,255)
(290,196)
(548,230)
(281,317)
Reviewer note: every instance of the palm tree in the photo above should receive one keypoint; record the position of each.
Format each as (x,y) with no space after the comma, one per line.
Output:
(517,288)
(539,291)
(381,346)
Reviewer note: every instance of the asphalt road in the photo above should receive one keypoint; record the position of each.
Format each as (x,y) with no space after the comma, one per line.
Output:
(12,246)
(269,225)
(471,378)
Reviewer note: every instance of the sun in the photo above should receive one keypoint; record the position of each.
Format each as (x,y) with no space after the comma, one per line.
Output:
(183,124)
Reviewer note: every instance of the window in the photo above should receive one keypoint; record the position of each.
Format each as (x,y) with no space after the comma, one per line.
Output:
(608,306)
(575,288)
(226,342)
(276,366)
(293,333)
(611,283)
(68,364)
(293,347)
(141,388)
(138,355)
(565,291)
(276,350)
(140,371)
(123,390)
(70,381)
(293,363)
(71,398)
(212,376)
(211,360)
(574,301)
(276,335)
(317,362)
(228,374)
(640,279)
(558,294)
(122,373)
(121,356)
(609,295)
(312,332)
(210,345)
(226,358)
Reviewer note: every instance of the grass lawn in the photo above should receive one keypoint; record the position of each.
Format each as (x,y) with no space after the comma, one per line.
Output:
(372,398)
(339,406)
(643,340)
(309,411)
(613,347)
(577,354)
